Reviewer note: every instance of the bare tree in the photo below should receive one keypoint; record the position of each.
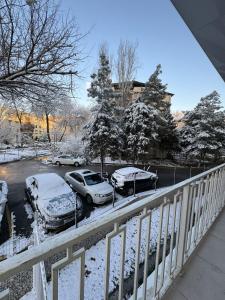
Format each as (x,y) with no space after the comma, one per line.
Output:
(7,129)
(70,118)
(126,65)
(39,49)
(48,105)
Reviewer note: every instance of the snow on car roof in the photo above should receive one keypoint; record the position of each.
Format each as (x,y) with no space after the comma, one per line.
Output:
(84,171)
(50,185)
(131,170)
(128,170)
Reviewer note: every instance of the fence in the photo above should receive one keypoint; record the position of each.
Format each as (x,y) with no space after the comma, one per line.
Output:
(139,249)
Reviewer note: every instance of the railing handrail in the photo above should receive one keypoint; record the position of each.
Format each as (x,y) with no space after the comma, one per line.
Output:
(25,260)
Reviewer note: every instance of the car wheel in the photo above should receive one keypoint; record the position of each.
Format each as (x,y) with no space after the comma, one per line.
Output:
(89,199)
(70,185)
(130,191)
(58,163)
(76,164)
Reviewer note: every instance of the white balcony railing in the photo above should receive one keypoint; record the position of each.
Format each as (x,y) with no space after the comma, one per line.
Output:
(143,247)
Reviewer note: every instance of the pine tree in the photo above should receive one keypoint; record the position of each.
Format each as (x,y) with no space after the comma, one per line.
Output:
(168,134)
(204,130)
(102,135)
(140,130)
(154,96)
(155,90)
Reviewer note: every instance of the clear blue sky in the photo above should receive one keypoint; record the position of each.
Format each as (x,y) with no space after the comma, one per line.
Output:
(162,37)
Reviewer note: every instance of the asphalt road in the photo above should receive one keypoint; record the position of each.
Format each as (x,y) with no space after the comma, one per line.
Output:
(15,174)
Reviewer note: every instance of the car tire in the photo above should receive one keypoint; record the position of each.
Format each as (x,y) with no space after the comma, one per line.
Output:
(76,164)
(89,199)
(130,191)
(69,184)
(58,163)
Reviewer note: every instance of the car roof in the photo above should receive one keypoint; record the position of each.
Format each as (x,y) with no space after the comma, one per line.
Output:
(47,178)
(128,170)
(50,184)
(83,172)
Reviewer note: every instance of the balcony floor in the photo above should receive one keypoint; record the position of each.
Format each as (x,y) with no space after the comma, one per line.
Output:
(204,275)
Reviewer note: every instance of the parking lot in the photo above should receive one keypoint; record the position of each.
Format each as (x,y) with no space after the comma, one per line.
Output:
(15,174)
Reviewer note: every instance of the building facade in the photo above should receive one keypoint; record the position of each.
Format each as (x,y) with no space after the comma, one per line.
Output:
(136,89)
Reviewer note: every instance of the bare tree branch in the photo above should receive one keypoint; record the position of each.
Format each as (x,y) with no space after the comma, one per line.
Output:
(36,43)
(126,66)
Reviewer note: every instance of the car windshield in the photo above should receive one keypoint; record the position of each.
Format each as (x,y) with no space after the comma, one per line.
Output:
(93,179)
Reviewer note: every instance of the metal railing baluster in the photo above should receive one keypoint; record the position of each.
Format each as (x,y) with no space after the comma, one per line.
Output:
(158,250)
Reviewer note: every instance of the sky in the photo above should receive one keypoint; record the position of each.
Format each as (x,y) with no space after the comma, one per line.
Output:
(162,37)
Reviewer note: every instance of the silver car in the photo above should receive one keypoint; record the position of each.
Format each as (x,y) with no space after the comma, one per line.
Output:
(90,185)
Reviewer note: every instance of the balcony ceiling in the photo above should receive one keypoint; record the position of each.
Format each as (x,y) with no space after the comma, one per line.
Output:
(206,20)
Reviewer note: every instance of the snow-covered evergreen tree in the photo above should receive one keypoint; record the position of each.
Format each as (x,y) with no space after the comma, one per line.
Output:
(154,96)
(140,130)
(204,130)
(168,134)
(155,90)
(102,135)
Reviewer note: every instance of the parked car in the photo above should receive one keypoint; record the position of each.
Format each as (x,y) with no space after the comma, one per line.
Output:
(3,198)
(68,160)
(90,185)
(54,199)
(123,179)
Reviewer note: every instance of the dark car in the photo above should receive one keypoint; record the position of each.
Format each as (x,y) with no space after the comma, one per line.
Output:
(123,180)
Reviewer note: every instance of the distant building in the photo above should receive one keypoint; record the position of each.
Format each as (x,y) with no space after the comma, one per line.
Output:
(136,89)
(178,118)
(34,126)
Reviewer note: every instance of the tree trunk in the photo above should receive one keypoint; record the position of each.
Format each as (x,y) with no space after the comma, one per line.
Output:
(19,117)
(102,164)
(47,127)
(64,131)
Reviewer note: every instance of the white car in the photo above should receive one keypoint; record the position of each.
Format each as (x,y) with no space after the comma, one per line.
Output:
(90,185)
(123,179)
(55,200)
(68,160)
(3,198)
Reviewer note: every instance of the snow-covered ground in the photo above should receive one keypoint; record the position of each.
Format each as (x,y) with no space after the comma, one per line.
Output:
(10,155)
(17,243)
(3,198)
(14,246)
(95,256)
(95,261)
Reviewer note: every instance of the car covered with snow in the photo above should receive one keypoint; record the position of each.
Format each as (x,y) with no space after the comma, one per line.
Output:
(54,199)
(3,198)
(90,185)
(123,179)
(68,160)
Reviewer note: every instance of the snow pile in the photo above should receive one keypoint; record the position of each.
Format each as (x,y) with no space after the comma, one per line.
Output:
(17,154)
(14,246)
(29,211)
(3,198)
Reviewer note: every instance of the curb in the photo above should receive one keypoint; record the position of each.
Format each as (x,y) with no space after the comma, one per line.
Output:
(8,162)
